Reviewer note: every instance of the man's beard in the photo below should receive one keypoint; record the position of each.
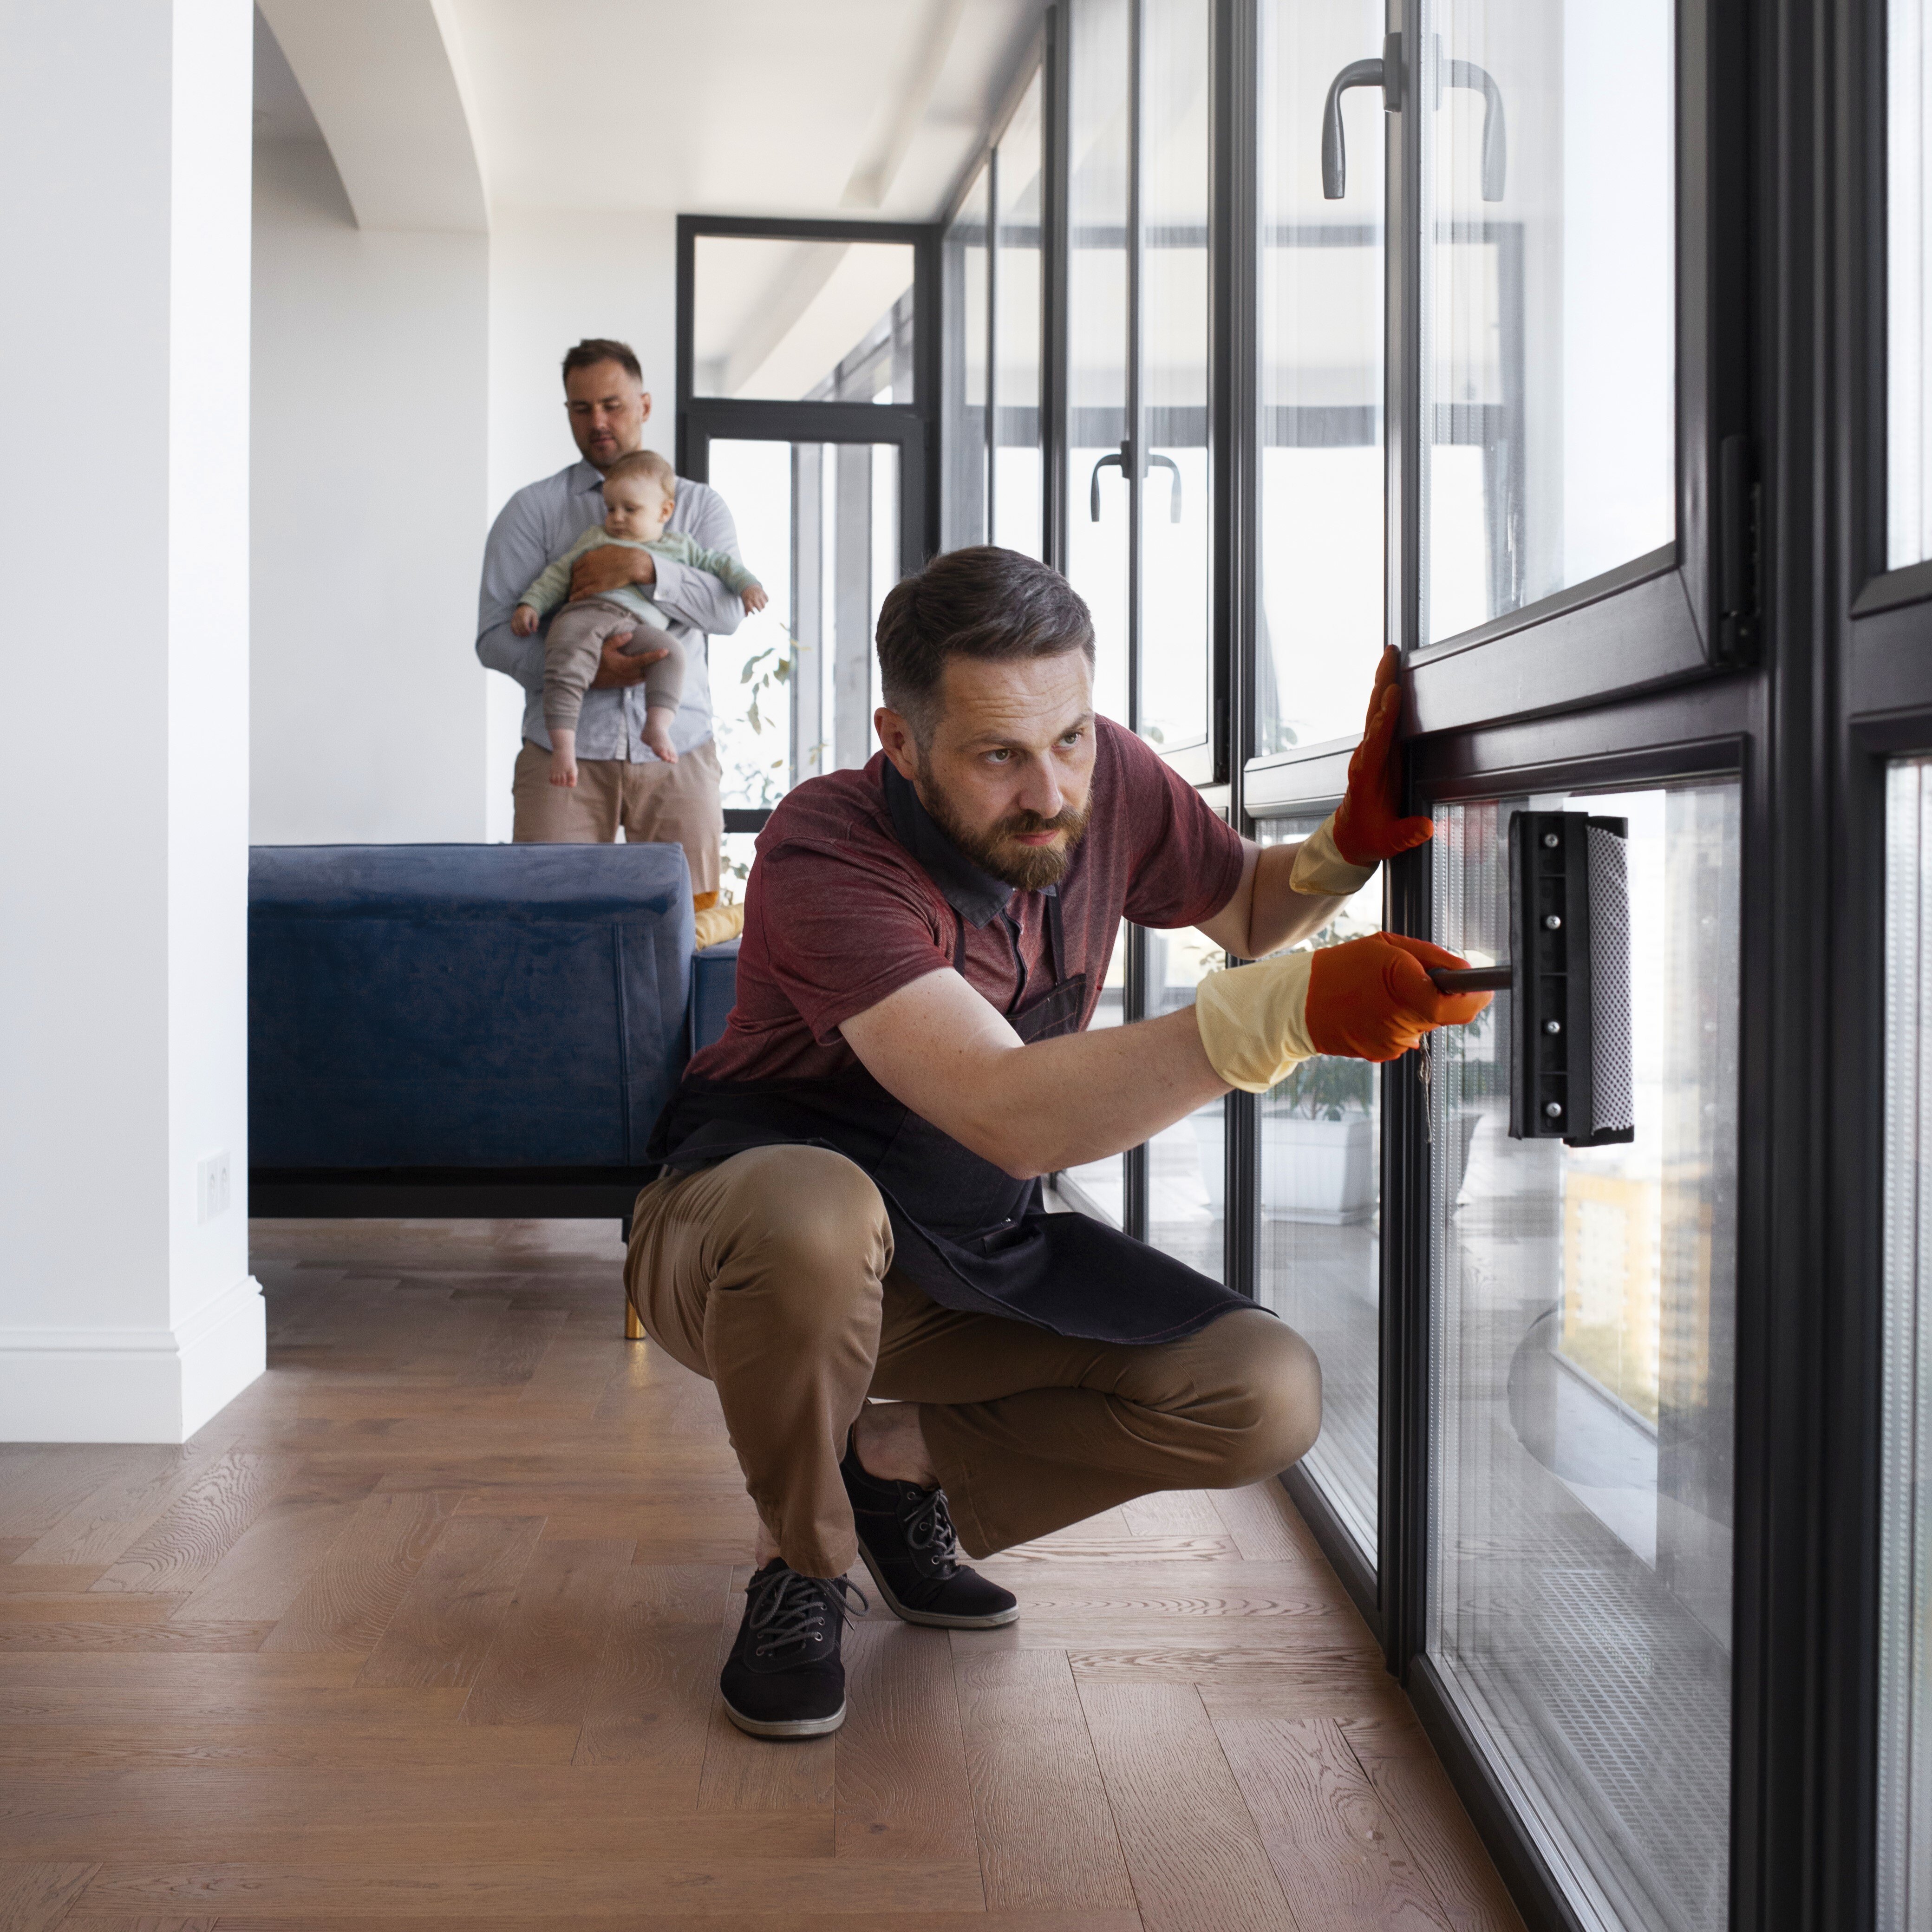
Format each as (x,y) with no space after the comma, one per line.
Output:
(996,850)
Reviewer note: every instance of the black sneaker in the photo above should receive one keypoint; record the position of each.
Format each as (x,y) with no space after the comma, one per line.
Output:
(784,1678)
(909,1544)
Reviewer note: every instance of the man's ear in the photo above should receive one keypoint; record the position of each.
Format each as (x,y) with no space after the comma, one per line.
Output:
(644,406)
(896,741)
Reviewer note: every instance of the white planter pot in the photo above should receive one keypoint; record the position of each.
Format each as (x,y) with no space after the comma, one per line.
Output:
(1321,1171)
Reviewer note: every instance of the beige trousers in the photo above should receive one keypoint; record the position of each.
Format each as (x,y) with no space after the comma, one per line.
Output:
(771,1272)
(675,804)
(574,648)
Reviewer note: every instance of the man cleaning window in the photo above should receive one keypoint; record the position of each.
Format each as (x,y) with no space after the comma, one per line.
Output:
(851,1204)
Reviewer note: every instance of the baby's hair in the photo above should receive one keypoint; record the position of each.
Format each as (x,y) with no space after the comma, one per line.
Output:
(645,463)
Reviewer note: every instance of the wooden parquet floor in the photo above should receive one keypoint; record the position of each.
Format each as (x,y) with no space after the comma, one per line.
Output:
(423,1629)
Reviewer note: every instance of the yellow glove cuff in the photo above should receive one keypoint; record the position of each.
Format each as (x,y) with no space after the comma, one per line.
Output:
(1319,866)
(1254,1020)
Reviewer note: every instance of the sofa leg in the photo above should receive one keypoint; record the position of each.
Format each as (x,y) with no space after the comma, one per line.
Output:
(633,1329)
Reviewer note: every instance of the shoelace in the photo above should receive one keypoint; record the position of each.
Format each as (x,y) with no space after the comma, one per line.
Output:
(929,1530)
(790,1612)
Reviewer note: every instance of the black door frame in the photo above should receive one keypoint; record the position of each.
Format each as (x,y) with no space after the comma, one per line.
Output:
(703,420)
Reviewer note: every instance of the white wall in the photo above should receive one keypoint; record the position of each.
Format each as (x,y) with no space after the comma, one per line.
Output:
(125,1316)
(556,277)
(370,397)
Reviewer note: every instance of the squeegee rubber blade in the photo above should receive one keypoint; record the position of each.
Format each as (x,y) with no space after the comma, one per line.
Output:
(1612,1086)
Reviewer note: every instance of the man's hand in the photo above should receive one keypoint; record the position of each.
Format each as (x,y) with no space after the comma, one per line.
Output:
(1372,999)
(1366,828)
(610,567)
(617,672)
(1366,999)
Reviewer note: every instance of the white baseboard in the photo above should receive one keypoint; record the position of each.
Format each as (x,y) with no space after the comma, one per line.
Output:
(131,1384)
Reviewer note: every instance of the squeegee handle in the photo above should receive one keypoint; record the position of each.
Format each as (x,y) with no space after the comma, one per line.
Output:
(1473,979)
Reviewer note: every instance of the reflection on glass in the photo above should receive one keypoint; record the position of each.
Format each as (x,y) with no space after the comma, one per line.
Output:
(792,321)
(1099,1187)
(1582,1386)
(1097,349)
(1019,505)
(1549,216)
(963,431)
(1175,506)
(1321,1236)
(1909,300)
(1187,1190)
(1320,380)
(793,689)
(1905,1656)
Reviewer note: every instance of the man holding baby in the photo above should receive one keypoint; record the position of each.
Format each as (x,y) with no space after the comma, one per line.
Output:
(620,782)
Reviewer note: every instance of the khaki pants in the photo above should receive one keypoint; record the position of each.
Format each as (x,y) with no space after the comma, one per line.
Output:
(771,1272)
(573,649)
(673,805)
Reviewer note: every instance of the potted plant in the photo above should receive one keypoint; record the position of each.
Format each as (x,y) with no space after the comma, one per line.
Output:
(1318,1145)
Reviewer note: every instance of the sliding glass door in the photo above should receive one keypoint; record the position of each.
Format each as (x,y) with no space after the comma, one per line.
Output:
(1470,345)
(1140,485)
(1583,1301)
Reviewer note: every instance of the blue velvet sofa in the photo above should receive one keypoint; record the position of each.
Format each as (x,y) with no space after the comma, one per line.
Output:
(468,1030)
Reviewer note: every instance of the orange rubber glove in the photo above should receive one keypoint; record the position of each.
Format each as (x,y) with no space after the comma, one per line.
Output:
(1372,998)
(1365,827)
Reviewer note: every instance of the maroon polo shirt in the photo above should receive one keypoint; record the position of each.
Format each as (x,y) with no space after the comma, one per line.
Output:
(839,914)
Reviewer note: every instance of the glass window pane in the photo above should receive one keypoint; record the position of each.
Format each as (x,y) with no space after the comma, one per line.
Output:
(793,689)
(1097,351)
(1549,365)
(1905,1679)
(1187,1190)
(1321,1236)
(1583,1385)
(1019,504)
(963,431)
(1321,432)
(1908,263)
(1099,1187)
(1175,501)
(787,321)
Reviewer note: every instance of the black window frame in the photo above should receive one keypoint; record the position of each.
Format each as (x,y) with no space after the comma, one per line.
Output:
(914,427)
(1874,705)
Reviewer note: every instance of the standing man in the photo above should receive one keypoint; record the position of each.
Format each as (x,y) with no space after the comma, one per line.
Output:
(622,782)
(850,1207)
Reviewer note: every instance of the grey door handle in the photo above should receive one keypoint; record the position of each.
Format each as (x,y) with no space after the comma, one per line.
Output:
(1495,158)
(1118,458)
(1174,496)
(1385,74)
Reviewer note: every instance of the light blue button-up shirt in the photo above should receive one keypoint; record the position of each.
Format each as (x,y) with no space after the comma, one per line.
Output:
(539,523)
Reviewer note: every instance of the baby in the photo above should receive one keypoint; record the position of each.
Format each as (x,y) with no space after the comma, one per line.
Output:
(640,491)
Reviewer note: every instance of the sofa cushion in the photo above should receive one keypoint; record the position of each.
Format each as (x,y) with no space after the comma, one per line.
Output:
(463,1005)
(714,991)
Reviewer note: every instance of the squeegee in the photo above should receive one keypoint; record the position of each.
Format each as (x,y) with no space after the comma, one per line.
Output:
(1570,1075)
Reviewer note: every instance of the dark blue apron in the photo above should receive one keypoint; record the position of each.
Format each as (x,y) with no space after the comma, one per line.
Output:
(966,1232)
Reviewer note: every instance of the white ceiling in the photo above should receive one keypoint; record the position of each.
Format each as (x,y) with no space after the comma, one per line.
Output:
(867,108)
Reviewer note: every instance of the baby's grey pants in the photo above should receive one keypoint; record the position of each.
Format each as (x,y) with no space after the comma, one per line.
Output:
(575,645)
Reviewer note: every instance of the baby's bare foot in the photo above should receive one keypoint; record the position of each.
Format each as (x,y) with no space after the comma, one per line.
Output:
(564,774)
(660,742)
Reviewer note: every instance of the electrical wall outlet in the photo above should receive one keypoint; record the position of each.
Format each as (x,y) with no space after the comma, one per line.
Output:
(212,1186)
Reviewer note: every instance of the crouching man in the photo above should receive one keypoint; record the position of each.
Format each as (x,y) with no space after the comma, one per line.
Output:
(851,1204)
